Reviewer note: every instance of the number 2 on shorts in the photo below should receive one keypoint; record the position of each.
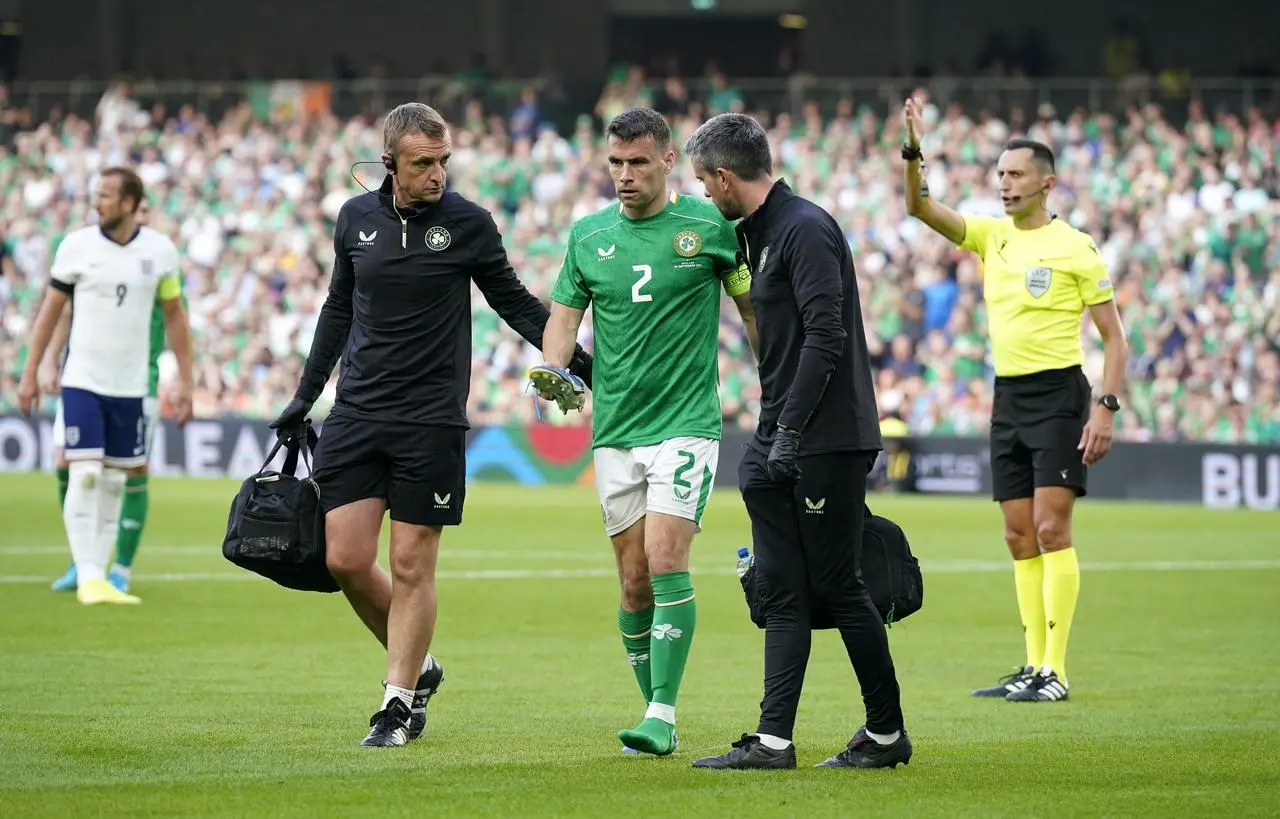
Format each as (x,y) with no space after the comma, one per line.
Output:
(678,480)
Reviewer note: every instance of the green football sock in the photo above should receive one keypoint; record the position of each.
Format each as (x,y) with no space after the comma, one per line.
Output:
(674,618)
(635,627)
(133,516)
(64,477)
(652,736)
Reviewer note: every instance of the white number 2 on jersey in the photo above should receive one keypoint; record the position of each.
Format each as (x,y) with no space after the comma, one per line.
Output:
(646,273)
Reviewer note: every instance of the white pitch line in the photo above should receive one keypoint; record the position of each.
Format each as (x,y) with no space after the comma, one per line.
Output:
(986,566)
(941,567)
(540,556)
(445,554)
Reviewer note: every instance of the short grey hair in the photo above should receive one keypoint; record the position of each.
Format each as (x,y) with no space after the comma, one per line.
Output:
(735,142)
(411,118)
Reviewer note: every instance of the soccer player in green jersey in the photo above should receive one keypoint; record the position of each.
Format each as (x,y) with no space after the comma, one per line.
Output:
(651,267)
(133,510)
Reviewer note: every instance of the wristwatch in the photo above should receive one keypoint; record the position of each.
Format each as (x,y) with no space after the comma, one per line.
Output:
(1110,402)
(910,152)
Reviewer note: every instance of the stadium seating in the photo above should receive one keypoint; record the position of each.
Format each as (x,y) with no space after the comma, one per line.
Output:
(1185,213)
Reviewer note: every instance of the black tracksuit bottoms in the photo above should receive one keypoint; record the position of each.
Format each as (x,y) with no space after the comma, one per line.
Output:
(808,545)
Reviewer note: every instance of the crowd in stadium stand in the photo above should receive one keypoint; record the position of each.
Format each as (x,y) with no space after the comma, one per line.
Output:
(1186,215)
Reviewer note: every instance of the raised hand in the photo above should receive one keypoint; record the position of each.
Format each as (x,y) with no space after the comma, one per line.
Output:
(914,119)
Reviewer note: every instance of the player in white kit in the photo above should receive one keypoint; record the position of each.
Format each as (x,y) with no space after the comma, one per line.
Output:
(118,271)
(133,511)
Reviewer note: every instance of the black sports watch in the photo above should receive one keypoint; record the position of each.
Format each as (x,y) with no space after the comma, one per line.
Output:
(910,152)
(1110,402)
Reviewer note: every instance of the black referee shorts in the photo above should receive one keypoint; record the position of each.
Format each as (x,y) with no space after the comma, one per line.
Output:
(419,471)
(1036,424)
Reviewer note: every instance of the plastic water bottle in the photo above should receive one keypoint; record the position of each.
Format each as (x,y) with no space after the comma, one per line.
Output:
(744,561)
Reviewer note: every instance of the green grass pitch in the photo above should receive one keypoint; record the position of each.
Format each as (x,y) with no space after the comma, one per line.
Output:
(224,695)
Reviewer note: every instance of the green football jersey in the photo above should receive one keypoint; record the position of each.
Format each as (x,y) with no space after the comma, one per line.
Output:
(157,347)
(158,338)
(653,286)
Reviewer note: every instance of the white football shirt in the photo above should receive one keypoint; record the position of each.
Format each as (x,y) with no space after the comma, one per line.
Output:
(114,289)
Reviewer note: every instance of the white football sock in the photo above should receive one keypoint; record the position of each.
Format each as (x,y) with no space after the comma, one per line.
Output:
(394,691)
(774,743)
(666,713)
(80,515)
(885,739)
(110,494)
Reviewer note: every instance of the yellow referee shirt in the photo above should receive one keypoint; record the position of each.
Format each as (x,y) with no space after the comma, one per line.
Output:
(1036,284)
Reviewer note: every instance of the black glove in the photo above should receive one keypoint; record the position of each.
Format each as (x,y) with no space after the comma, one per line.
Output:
(784,456)
(580,365)
(292,423)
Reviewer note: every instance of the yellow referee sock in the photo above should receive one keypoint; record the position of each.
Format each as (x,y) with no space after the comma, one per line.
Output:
(1061,588)
(1028,580)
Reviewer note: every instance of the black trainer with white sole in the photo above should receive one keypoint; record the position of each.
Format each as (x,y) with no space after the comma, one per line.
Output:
(1016,681)
(428,684)
(1043,688)
(389,728)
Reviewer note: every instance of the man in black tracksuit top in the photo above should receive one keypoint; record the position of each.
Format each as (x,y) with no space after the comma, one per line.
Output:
(803,477)
(398,314)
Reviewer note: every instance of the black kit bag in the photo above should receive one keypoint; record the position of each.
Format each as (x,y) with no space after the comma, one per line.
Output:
(890,572)
(276,524)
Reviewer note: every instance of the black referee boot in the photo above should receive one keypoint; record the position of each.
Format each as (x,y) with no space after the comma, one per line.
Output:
(1011,684)
(865,752)
(749,752)
(1044,687)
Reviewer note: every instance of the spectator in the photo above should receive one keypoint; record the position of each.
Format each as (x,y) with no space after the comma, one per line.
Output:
(1184,213)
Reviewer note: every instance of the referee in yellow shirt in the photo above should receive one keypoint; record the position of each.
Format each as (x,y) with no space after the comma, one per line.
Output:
(1039,276)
